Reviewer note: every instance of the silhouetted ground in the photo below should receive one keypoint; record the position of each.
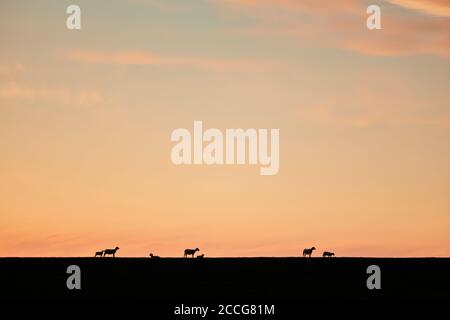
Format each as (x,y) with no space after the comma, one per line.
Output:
(224,279)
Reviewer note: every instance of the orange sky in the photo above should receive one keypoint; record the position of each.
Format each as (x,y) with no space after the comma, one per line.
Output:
(86,118)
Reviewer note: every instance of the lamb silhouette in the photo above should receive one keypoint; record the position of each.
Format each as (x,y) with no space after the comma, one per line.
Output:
(99,253)
(201,256)
(328,254)
(152,256)
(190,252)
(308,252)
(110,251)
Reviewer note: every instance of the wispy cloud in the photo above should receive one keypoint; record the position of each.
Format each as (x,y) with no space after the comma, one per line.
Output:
(62,96)
(401,36)
(434,7)
(153,59)
(298,5)
(332,24)
(11,68)
(366,105)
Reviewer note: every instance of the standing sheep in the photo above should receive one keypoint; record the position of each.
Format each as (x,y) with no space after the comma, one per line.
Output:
(190,252)
(110,251)
(99,253)
(308,252)
(328,254)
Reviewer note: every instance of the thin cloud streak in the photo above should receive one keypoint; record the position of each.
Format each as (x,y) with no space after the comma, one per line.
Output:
(433,7)
(12,68)
(140,58)
(63,96)
(315,24)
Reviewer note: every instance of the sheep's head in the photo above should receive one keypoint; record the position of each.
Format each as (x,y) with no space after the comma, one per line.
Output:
(313,248)
(117,248)
(197,249)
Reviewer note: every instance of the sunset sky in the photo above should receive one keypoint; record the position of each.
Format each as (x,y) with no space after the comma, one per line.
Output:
(86,117)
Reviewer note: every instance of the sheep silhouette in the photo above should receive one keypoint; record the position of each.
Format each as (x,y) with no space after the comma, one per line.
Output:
(308,252)
(110,252)
(190,252)
(328,254)
(153,256)
(99,253)
(201,256)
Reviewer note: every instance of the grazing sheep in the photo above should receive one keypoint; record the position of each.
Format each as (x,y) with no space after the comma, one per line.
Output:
(110,251)
(190,252)
(99,253)
(328,254)
(153,257)
(201,256)
(308,252)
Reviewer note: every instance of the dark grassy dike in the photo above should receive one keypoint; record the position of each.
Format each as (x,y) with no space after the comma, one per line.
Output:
(225,279)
